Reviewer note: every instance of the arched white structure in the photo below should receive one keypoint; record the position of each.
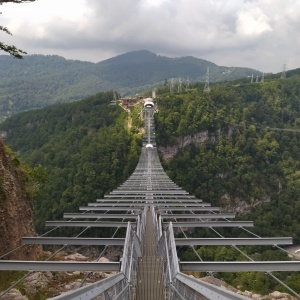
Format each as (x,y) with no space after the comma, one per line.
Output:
(148,103)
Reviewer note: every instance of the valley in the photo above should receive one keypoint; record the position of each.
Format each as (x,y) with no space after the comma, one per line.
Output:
(237,144)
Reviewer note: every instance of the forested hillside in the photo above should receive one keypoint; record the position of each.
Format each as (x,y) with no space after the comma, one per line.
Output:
(238,147)
(251,151)
(82,150)
(38,81)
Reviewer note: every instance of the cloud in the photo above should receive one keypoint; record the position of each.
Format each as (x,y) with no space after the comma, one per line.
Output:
(228,31)
(252,23)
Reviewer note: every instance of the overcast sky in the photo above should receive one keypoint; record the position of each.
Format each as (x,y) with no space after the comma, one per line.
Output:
(261,34)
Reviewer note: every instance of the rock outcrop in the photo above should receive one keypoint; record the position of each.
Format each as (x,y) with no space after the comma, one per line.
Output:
(272,296)
(198,138)
(14,294)
(54,283)
(15,209)
(169,152)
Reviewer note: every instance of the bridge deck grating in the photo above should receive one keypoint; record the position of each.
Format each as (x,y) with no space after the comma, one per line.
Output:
(150,279)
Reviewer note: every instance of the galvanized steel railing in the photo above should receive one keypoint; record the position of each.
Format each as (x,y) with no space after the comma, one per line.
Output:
(114,287)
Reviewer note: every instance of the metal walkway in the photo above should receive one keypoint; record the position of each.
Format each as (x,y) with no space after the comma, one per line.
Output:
(150,274)
(149,205)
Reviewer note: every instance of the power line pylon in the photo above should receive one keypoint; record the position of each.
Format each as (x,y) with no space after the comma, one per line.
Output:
(179,85)
(252,78)
(172,86)
(206,87)
(283,73)
(187,87)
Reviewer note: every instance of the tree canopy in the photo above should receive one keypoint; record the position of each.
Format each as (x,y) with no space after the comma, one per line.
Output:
(238,147)
(84,148)
(11,49)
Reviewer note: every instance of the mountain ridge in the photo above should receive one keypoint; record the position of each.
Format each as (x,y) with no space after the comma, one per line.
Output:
(38,81)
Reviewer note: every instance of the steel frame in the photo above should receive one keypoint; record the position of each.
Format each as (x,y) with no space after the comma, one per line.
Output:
(210,224)
(85,224)
(206,289)
(99,216)
(199,216)
(163,205)
(70,266)
(233,241)
(73,241)
(239,266)
(89,292)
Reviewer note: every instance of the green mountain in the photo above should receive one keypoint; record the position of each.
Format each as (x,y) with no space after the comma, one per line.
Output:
(38,81)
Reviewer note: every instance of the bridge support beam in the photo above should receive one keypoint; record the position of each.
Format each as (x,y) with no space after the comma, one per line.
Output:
(73,241)
(238,266)
(70,266)
(234,241)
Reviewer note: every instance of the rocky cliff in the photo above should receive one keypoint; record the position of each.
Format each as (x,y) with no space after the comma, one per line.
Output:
(15,209)
(169,152)
(198,138)
(237,205)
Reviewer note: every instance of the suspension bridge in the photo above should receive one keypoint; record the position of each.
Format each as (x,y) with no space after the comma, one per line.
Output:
(150,207)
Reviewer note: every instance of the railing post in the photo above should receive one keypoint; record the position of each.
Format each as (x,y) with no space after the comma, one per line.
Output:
(126,248)
(138,226)
(159,227)
(168,258)
(173,250)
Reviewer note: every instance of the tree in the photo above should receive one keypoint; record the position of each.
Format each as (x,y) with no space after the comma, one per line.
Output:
(12,50)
